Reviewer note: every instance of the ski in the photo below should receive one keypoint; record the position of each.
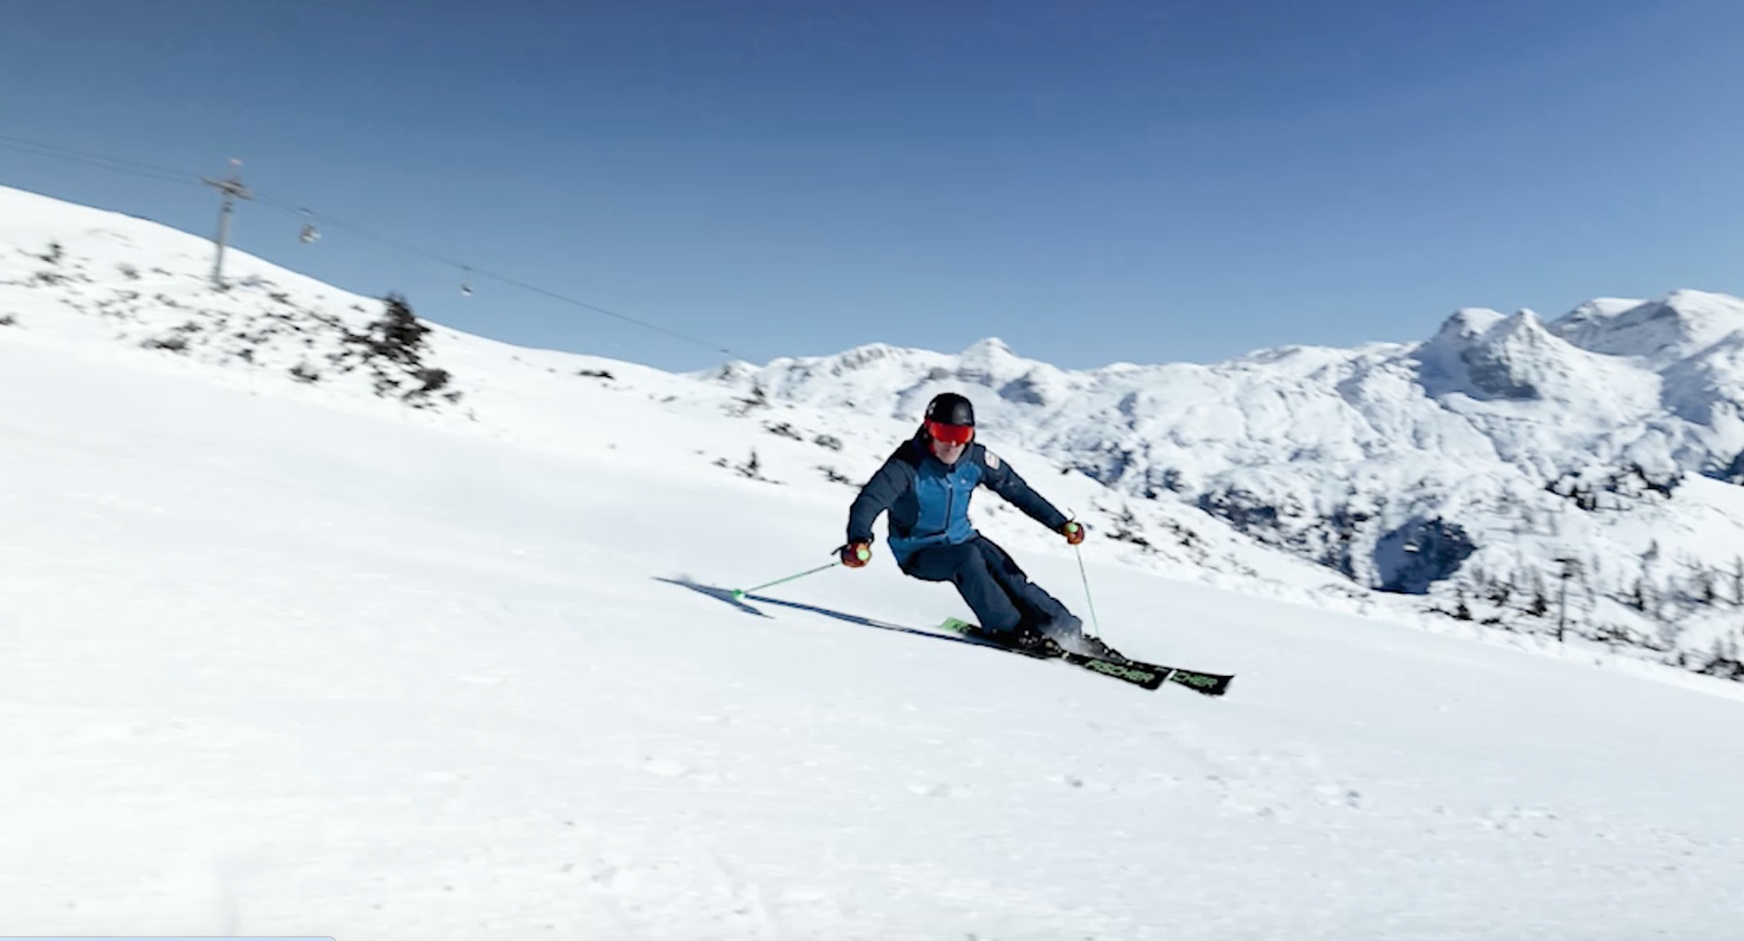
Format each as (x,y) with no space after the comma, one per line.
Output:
(1138,673)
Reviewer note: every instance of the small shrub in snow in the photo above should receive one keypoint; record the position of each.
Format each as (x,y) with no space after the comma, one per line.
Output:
(595,373)
(828,441)
(784,430)
(1722,661)
(432,381)
(175,343)
(128,271)
(752,469)
(1126,529)
(741,407)
(396,336)
(303,373)
(391,349)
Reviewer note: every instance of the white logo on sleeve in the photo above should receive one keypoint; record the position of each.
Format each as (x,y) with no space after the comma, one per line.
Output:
(992,459)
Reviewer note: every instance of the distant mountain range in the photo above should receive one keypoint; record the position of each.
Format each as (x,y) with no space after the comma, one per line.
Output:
(1481,468)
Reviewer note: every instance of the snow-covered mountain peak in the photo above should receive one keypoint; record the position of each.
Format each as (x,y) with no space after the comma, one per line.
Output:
(990,362)
(1658,333)
(1487,356)
(988,348)
(870,354)
(1468,323)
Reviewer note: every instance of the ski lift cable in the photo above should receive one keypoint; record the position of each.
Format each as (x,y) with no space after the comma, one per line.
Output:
(362,232)
(168,175)
(117,164)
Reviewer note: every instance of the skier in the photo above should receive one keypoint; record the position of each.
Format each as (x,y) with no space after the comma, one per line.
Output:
(926,485)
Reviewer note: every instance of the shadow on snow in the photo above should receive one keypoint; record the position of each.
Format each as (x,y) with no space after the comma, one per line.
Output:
(725,595)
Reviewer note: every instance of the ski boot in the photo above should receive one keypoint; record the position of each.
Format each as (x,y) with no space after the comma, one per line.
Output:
(1068,632)
(1024,638)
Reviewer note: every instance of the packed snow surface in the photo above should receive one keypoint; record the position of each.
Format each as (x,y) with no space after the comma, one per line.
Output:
(315,657)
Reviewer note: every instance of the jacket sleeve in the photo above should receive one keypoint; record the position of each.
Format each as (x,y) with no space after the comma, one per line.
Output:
(876,497)
(1001,479)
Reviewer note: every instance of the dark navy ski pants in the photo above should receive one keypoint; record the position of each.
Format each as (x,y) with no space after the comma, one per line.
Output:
(1001,596)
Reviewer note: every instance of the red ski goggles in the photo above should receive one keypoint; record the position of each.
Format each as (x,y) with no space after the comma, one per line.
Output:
(950,434)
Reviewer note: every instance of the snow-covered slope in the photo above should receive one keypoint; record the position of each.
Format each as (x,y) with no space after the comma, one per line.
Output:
(76,275)
(287,657)
(1465,469)
(1458,478)
(1446,479)
(89,280)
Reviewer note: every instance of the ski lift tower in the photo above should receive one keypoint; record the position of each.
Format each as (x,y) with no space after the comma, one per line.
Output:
(231,189)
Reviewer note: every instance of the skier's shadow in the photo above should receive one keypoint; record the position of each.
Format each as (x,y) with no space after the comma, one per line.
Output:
(726,595)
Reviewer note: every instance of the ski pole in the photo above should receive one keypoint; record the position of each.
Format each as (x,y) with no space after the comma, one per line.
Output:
(742,592)
(1087,599)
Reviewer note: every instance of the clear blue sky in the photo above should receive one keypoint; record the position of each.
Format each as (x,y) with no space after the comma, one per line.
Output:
(1148,181)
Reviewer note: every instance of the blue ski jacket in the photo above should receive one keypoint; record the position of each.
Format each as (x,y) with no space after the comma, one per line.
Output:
(929,501)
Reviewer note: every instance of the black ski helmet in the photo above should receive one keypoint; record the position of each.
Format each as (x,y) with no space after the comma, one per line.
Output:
(949,408)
